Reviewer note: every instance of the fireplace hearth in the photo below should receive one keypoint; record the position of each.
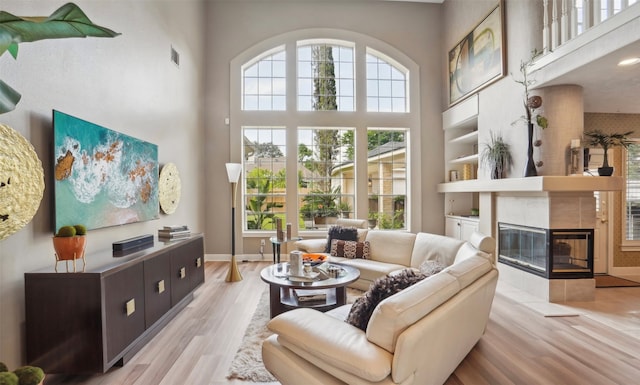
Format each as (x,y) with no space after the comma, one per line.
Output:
(549,253)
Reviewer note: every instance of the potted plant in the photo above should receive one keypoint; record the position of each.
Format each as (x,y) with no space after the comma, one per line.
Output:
(373,219)
(497,156)
(345,209)
(69,243)
(24,375)
(606,141)
(322,205)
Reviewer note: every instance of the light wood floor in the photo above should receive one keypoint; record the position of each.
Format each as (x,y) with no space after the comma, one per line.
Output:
(596,343)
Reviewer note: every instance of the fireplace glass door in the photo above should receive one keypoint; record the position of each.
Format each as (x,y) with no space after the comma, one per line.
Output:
(551,253)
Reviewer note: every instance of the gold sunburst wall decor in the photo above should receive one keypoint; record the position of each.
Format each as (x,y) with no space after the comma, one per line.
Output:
(169,188)
(21,181)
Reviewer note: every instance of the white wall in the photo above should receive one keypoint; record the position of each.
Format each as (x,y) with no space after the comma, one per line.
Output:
(234,26)
(127,84)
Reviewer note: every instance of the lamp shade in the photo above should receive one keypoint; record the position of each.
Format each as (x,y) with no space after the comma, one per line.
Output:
(233,172)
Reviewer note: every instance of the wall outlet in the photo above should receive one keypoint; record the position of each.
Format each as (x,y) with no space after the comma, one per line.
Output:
(262,242)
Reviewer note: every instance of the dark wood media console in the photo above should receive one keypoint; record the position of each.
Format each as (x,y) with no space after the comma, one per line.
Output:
(87,322)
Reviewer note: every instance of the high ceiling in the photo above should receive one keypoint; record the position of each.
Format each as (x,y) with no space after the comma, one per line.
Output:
(591,60)
(607,87)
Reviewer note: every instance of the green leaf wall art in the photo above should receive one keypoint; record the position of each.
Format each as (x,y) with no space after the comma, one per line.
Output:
(68,21)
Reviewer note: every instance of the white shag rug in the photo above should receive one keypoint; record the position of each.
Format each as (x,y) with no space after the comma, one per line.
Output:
(247,364)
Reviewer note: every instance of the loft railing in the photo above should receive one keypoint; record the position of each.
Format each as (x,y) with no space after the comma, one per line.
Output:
(566,19)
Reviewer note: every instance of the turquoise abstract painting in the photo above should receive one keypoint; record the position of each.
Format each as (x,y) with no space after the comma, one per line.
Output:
(102,177)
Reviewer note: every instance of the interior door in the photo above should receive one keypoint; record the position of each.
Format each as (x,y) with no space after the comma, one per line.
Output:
(604,204)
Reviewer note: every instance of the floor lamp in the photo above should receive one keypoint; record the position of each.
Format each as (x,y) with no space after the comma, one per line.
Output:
(233,172)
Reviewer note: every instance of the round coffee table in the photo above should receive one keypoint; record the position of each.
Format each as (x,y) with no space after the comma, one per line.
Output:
(281,287)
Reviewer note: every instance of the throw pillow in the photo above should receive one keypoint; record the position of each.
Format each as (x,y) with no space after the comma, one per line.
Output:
(342,233)
(431,267)
(382,288)
(350,249)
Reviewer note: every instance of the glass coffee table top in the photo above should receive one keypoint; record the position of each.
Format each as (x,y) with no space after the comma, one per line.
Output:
(282,286)
(278,274)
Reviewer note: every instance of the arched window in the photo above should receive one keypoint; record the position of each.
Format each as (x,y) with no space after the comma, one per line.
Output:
(325,76)
(386,85)
(322,122)
(264,82)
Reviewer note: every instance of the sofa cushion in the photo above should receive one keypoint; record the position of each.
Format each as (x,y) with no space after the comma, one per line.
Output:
(369,270)
(350,249)
(393,315)
(311,245)
(345,347)
(382,288)
(357,223)
(391,246)
(342,233)
(470,269)
(434,247)
(362,234)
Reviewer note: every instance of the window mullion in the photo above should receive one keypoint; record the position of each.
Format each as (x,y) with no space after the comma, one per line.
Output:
(362,199)
(292,177)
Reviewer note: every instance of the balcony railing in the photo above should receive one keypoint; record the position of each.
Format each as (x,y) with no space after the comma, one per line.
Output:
(566,19)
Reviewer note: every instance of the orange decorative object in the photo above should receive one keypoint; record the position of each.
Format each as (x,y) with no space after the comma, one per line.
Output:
(70,249)
(314,257)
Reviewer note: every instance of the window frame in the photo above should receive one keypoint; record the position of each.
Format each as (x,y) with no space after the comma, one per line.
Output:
(256,61)
(360,119)
(625,244)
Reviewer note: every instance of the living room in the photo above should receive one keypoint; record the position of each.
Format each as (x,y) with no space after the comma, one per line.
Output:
(130,84)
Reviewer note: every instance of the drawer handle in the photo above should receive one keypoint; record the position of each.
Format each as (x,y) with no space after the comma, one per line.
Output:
(182,273)
(161,286)
(198,262)
(131,306)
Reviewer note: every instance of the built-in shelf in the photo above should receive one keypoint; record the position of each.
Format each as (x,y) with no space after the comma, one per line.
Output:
(536,184)
(470,138)
(460,124)
(473,158)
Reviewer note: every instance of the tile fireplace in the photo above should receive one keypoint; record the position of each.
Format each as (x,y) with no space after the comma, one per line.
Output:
(549,253)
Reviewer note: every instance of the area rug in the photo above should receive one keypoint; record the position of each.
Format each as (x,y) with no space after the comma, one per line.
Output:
(247,364)
(603,280)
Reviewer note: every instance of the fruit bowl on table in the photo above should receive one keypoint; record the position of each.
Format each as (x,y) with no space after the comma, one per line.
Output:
(314,259)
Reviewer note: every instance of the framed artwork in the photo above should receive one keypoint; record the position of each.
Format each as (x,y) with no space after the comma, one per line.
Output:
(479,58)
(102,177)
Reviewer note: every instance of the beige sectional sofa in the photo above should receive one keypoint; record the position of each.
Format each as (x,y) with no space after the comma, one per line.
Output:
(395,250)
(417,336)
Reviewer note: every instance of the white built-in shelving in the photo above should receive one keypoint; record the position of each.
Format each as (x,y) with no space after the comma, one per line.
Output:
(460,125)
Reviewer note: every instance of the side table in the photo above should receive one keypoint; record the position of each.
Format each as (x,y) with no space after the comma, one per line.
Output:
(275,244)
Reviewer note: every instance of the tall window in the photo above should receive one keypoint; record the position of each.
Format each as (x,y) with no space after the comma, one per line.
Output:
(326,176)
(386,177)
(264,176)
(322,142)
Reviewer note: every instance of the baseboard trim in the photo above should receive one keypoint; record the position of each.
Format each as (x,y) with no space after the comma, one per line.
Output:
(633,270)
(239,257)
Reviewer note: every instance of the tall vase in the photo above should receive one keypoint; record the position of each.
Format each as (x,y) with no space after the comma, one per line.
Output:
(530,169)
